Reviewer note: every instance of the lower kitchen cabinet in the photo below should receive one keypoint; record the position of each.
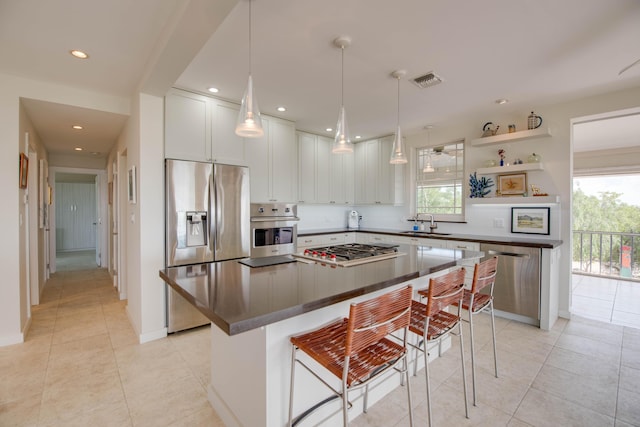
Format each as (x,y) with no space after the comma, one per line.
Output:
(325,240)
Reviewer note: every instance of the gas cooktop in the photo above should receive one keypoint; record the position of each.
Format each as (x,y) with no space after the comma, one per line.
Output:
(350,254)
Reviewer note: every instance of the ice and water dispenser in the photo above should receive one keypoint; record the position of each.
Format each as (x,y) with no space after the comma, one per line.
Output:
(197,231)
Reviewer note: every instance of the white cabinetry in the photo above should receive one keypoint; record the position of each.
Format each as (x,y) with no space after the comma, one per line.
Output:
(187,132)
(376,180)
(226,146)
(201,128)
(325,240)
(323,177)
(271,160)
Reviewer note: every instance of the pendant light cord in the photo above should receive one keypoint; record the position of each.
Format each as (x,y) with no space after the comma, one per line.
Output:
(250,53)
(342,78)
(398,101)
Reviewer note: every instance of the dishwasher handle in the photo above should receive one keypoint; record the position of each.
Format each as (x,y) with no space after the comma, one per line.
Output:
(512,254)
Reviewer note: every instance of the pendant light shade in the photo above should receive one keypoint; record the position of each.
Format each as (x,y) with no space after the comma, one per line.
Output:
(428,168)
(398,155)
(249,123)
(342,142)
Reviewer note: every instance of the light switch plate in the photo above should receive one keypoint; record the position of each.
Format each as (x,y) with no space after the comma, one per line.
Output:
(498,222)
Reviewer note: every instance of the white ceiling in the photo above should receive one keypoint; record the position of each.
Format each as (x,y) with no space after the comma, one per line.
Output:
(531,52)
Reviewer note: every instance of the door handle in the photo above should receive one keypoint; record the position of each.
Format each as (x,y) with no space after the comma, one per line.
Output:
(513,254)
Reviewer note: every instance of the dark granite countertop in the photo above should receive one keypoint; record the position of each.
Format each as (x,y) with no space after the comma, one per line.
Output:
(508,240)
(238,298)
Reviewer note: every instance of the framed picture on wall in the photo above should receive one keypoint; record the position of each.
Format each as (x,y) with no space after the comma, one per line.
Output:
(530,220)
(512,184)
(24,170)
(131,184)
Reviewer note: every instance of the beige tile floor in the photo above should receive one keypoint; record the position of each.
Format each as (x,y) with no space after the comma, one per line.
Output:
(606,299)
(82,366)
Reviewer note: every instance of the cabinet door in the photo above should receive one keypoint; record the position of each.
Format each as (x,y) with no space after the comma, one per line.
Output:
(257,156)
(324,157)
(390,177)
(306,168)
(342,178)
(187,130)
(367,165)
(284,154)
(226,146)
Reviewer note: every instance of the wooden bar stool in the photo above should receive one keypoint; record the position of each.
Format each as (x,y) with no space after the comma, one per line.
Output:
(484,275)
(357,350)
(431,322)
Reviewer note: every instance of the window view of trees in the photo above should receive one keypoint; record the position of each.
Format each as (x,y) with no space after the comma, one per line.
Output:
(606,237)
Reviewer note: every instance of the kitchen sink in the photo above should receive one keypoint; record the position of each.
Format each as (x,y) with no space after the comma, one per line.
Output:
(426,233)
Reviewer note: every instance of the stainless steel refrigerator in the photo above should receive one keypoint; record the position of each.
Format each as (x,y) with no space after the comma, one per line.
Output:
(207,219)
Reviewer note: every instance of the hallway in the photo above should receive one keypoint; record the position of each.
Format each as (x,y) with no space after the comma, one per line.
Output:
(82,365)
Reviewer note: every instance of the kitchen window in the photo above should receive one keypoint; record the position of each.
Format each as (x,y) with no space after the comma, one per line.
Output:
(439,175)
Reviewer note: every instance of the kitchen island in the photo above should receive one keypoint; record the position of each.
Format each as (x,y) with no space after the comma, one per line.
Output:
(256,310)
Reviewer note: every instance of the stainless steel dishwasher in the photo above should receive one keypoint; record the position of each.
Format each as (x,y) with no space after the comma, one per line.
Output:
(517,286)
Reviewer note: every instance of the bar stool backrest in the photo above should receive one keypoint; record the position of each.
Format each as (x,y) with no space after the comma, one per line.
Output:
(372,320)
(444,291)
(484,274)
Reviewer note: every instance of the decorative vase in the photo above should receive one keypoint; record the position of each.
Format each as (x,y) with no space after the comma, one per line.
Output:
(534,158)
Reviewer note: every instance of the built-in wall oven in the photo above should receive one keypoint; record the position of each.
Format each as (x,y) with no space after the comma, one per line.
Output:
(274,229)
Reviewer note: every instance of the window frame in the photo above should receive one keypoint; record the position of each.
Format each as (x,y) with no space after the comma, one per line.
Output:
(417,175)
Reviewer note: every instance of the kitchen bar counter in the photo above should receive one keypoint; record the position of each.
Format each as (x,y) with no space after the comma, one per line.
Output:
(508,240)
(238,298)
(256,310)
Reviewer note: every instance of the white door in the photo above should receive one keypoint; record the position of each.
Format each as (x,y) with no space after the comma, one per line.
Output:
(97,223)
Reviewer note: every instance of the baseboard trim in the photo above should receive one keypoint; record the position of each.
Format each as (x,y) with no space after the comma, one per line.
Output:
(152,336)
(11,339)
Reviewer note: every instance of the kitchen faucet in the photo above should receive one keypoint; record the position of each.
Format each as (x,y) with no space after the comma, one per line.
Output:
(432,222)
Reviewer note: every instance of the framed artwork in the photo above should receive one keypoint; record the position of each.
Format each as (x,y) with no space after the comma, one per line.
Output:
(131,184)
(24,170)
(530,220)
(512,184)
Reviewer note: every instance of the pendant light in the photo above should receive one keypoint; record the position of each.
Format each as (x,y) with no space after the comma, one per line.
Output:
(398,156)
(342,142)
(249,122)
(428,168)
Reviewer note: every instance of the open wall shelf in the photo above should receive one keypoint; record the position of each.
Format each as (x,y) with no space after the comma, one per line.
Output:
(524,167)
(515,201)
(512,137)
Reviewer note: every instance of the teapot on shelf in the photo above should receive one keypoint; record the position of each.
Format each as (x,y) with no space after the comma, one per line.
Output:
(487,131)
(533,121)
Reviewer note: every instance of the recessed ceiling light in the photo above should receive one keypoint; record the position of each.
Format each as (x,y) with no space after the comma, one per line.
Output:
(78,148)
(79,54)
(329,129)
(501,101)
(282,109)
(213,89)
(95,153)
(77,127)
(358,137)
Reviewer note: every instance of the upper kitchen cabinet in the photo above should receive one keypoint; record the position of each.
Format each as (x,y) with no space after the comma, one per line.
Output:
(226,146)
(272,162)
(202,128)
(376,180)
(187,132)
(324,178)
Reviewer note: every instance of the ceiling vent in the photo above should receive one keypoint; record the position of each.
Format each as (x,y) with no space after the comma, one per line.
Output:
(429,79)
